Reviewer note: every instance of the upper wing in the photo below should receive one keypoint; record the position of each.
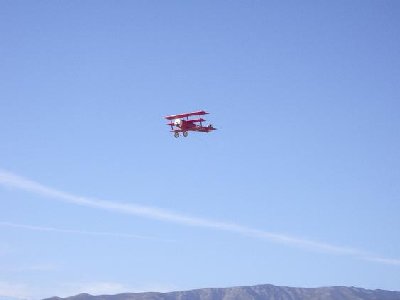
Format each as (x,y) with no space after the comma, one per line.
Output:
(195,113)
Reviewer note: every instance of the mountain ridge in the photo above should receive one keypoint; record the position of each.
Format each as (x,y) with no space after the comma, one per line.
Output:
(256,292)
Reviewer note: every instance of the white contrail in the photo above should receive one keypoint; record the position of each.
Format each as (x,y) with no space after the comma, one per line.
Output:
(11,180)
(73,231)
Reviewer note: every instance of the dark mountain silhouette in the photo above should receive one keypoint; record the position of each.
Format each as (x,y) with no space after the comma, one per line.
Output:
(258,292)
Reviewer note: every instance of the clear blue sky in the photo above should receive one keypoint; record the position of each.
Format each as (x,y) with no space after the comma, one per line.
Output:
(306,98)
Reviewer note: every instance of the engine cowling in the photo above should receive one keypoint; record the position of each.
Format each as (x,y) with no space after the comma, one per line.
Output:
(178,122)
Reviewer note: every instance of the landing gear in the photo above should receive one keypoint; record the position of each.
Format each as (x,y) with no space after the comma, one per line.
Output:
(185,133)
(176,134)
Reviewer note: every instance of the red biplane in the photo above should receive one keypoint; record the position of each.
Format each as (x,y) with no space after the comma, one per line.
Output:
(183,123)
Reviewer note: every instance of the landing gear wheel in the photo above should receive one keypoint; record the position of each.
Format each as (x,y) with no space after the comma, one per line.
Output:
(176,134)
(185,133)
